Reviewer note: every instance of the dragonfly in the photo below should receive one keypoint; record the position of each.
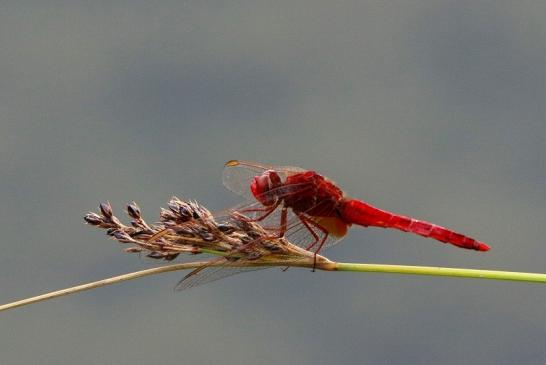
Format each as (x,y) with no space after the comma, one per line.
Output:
(314,211)
(309,211)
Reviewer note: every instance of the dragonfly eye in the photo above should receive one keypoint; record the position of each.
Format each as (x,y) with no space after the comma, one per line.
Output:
(274,178)
(263,184)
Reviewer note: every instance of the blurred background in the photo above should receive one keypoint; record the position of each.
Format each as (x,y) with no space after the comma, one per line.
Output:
(434,109)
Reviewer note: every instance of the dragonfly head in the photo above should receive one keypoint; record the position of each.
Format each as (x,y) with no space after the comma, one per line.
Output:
(263,186)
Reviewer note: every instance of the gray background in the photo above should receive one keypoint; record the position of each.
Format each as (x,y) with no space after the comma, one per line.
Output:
(434,109)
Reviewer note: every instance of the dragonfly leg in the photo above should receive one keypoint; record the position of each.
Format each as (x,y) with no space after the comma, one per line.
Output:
(267,211)
(283,226)
(284,216)
(307,222)
(320,245)
(315,236)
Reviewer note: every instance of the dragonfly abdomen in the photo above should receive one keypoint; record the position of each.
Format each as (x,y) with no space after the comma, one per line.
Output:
(436,232)
(358,212)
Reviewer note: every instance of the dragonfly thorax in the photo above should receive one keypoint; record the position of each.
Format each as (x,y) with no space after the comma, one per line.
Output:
(305,192)
(317,196)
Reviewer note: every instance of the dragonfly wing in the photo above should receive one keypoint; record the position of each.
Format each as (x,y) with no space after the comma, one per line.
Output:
(238,175)
(308,231)
(207,274)
(256,211)
(268,218)
(297,232)
(300,235)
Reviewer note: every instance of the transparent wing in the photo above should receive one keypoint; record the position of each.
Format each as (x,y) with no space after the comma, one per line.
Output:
(301,236)
(308,231)
(270,217)
(303,230)
(207,274)
(255,210)
(237,175)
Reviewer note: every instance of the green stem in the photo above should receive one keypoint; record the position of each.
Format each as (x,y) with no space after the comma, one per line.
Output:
(442,271)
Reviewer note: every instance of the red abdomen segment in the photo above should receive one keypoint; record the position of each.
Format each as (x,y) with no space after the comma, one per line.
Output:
(358,212)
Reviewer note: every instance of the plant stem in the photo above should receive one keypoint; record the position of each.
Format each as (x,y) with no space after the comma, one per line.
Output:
(443,271)
(99,283)
(324,265)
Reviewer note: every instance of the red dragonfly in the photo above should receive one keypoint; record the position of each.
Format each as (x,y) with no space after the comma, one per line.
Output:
(308,210)
(312,212)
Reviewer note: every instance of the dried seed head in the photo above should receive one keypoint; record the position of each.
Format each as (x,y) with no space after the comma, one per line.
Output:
(93,219)
(133,250)
(174,204)
(253,255)
(198,211)
(207,236)
(167,215)
(106,209)
(182,210)
(226,228)
(184,230)
(270,246)
(185,213)
(246,239)
(156,255)
(187,227)
(122,236)
(171,256)
(133,210)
